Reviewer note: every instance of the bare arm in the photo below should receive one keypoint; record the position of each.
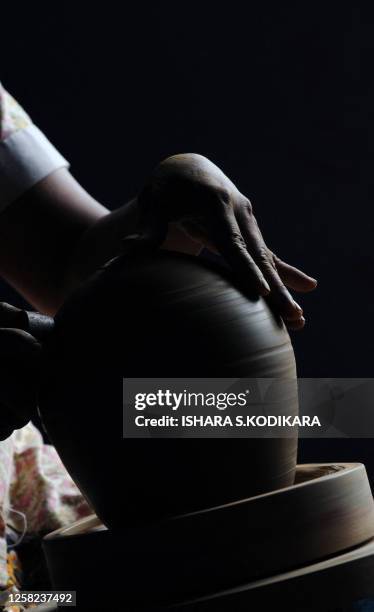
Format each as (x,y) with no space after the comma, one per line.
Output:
(54,235)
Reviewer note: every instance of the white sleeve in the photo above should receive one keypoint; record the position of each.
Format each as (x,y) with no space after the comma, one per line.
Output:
(26,155)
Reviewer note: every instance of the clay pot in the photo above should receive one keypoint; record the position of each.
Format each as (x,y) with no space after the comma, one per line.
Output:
(169,316)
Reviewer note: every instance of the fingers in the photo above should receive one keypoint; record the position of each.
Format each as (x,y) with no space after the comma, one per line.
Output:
(283,301)
(296,325)
(10,316)
(20,362)
(280,295)
(227,237)
(294,278)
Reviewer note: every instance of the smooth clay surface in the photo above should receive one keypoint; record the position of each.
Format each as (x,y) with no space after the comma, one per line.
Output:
(169,316)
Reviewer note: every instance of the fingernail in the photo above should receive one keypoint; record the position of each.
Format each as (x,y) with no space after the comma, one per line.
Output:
(265,285)
(297,306)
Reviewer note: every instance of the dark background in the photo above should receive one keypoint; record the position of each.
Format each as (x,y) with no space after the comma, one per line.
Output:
(281,97)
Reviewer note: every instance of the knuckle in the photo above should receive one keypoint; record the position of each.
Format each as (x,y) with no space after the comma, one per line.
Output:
(238,239)
(216,200)
(222,195)
(263,256)
(273,258)
(247,204)
(269,272)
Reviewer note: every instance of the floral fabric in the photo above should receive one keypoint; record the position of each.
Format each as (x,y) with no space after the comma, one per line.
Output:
(36,493)
(12,115)
(26,155)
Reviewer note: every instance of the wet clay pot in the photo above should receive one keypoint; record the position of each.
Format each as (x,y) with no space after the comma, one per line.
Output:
(169,316)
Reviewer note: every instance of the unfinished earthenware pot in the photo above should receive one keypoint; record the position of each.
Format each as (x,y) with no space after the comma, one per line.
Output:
(165,315)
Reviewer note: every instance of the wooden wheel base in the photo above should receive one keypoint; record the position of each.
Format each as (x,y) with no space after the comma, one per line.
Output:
(299,535)
(319,587)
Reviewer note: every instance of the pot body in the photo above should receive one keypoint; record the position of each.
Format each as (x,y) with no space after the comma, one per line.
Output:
(167,316)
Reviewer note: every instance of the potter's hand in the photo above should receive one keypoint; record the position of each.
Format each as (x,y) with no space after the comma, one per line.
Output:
(19,374)
(189,192)
(13,317)
(26,320)
(19,365)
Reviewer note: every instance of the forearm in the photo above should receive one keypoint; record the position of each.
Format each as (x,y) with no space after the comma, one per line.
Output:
(38,235)
(55,235)
(44,213)
(104,240)
(99,243)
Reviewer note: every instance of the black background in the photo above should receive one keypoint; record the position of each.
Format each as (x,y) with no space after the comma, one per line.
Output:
(280,96)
